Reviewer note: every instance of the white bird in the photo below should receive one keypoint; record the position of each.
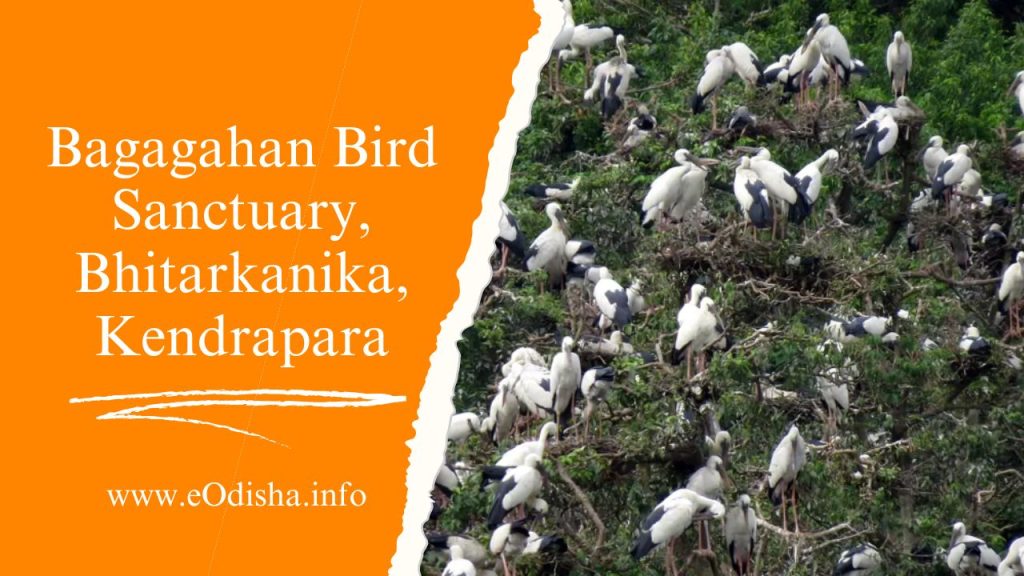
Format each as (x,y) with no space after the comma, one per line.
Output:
(462,426)
(969,555)
(1013,563)
(781,185)
(1017,89)
(510,237)
(516,456)
(707,481)
(801,66)
(508,542)
(882,128)
(635,297)
(688,319)
(610,347)
(787,460)
(560,191)
(752,196)
(774,72)
(669,520)
(458,565)
(581,252)
(932,156)
(612,300)
(446,482)
(503,414)
(565,381)
(522,356)
(562,41)
(741,535)
(970,184)
(811,175)
(1017,146)
(693,184)
(974,343)
(519,486)
(834,391)
(834,50)
(471,549)
(595,384)
(585,38)
(745,62)
(548,250)
(639,129)
(1010,291)
(862,560)
(718,70)
(611,80)
(859,327)
(691,319)
(899,59)
(532,387)
(667,189)
(951,171)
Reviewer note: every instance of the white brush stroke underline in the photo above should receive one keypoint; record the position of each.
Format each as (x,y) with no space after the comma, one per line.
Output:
(352,400)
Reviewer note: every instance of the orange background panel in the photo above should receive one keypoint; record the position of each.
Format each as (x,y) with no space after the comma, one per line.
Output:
(191,70)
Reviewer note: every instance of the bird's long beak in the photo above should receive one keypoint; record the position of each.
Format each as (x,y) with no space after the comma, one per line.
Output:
(920,155)
(747,149)
(810,35)
(727,481)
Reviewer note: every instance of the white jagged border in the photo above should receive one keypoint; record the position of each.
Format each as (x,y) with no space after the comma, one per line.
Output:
(436,409)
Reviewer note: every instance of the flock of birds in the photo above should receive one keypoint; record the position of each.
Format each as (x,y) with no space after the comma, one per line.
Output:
(566,390)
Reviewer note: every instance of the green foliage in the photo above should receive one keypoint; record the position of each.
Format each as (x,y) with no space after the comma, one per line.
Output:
(945,438)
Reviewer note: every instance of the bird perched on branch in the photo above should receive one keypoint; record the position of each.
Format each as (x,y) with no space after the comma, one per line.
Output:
(718,70)
(752,196)
(810,176)
(899,59)
(951,171)
(639,129)
(519,487)
(741,535)
(548,250)
(862,560)
(561,191)
(834,50)
(932,156)
(1017,89)
(612,300)
(611,80)
(1011,288)
(669,520)
(782,186)
(969,555)
(787,460)
(565,381)
(510,237)
(458,565)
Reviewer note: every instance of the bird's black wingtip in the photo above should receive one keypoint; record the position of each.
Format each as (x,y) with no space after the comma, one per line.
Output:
(697,103)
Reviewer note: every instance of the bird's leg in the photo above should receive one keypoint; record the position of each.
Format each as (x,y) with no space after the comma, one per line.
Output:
(785,525)
(504,564)
(669,569)
(689,360)
(796,515)
(504,261)
(714,111)
(589,65)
